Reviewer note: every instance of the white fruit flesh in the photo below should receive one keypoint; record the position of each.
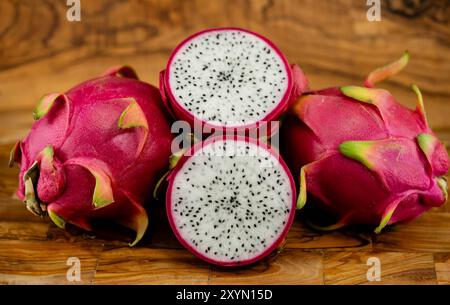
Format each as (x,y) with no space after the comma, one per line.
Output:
(228,77)
(231,201)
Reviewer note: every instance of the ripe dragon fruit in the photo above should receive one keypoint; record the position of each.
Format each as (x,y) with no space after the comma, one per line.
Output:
(230,200)
(95,152)
(229,79)
(362,157)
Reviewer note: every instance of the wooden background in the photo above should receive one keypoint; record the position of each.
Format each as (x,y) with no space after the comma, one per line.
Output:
(40,52)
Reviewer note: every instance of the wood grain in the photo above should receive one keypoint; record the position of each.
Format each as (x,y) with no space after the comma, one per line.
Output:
(399,268)
(429,233)
(442,267)
(41,52)
(150,266)
(37,262)
(303,237)
(289,267)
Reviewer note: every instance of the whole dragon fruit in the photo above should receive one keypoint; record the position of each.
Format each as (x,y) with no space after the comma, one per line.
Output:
(229,79)
(363,157)
(95,152)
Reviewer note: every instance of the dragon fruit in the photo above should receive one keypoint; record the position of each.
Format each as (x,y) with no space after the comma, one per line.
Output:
(230,200)
(229,79)
(363,158)
(95,152)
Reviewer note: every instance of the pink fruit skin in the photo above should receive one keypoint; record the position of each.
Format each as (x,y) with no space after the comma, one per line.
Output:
(384,174)
(297,83)
(82,128)
(178,167)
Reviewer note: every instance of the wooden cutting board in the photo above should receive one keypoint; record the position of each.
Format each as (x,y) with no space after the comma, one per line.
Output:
(41,52)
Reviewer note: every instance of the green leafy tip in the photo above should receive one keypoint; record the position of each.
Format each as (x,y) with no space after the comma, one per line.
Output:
(362,94)
(139,225)
(44,105)
(30,180)
(30,198)
(384,221)
(47,154)
(45,158)
(301,200)
(442,183)
(427,144)
(158,185)
(385,72)
(173,159)
(121,71)
(14,154)
(103,193)
(58,220)
(132,116)
(387,215)
(357,150)
(420,104)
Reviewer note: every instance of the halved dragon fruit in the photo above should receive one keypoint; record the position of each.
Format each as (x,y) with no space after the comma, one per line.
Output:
(95,152)
(363,157)
(230,200)
(229,79)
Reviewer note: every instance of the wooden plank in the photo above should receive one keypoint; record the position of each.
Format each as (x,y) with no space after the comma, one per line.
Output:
(14,210)
(140,265)
(290,267)
(20,230)
(429,233)
(37,262)
(302,237)
(442,266)
(16,222)
(349,268)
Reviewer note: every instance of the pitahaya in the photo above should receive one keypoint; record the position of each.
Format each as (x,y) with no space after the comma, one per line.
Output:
(229,79)
(95,152)
(363,157)
(230,200)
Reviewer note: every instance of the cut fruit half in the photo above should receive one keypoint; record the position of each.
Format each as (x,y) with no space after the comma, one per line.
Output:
(227,78)
(231,201)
